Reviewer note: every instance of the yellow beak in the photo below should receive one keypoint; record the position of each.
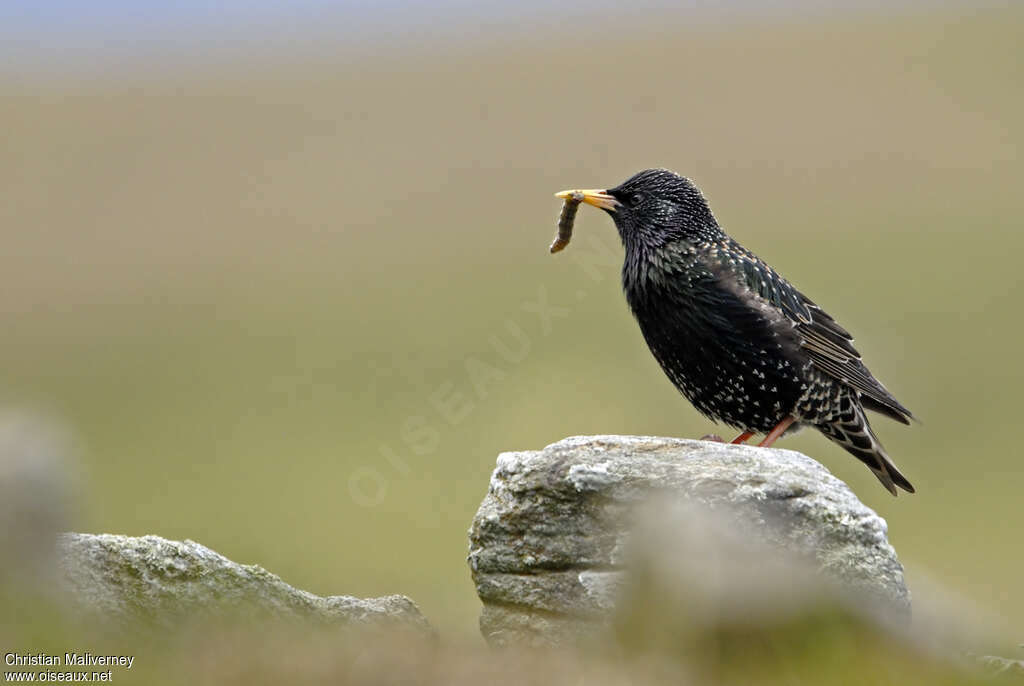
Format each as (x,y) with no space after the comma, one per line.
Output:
(595,197)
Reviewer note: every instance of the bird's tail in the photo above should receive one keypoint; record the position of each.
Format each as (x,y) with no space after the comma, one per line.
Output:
(853,432)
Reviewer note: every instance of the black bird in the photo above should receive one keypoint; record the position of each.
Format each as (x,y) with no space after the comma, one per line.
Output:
(738,340)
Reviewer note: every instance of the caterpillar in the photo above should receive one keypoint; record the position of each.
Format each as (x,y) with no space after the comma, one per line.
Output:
(565,221)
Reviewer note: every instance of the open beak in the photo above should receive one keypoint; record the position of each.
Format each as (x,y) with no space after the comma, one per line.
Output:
(597,198)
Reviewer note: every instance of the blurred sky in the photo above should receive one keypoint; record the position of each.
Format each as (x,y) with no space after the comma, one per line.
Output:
(109,37)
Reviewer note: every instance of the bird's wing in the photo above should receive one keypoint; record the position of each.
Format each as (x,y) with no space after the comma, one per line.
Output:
(827,344)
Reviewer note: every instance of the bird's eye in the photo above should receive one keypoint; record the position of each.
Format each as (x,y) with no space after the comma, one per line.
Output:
(635,199)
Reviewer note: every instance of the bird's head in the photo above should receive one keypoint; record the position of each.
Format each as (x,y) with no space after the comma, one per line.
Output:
(655,206)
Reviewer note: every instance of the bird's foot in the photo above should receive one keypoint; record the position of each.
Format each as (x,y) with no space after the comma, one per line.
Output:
(714,438)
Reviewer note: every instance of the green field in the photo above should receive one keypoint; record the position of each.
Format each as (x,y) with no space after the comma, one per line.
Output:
(236,286)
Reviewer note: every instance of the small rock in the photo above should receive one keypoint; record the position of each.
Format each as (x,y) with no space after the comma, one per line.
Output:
(994,666)
(37,488)
(123,578)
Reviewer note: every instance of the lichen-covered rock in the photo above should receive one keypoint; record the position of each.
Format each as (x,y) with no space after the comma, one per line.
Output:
(123,578)
(550,542)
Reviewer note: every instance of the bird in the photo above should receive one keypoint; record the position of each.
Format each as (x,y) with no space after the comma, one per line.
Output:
(738,340)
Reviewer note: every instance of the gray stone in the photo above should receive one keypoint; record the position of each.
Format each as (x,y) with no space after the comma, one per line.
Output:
(37,493)
(123,578)
(994,666)
(551,543)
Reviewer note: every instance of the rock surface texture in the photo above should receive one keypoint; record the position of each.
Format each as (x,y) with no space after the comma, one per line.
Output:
(122,578)
(549,546)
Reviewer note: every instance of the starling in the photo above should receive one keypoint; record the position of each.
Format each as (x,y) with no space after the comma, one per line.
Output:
(738,340)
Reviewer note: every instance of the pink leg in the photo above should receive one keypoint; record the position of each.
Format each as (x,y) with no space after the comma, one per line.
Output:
(742,438)
(779,429)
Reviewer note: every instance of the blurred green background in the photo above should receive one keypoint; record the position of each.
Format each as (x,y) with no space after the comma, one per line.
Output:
(290,307)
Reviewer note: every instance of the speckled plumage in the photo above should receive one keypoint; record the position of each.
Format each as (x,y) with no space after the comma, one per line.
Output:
(737,339)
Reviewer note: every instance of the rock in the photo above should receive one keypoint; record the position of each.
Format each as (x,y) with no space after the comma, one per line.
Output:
(993,666)
(123,578)
(703,585)
(37,494)
(550,544)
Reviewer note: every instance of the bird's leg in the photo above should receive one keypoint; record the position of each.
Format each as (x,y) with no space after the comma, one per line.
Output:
(742,438)
(779,429)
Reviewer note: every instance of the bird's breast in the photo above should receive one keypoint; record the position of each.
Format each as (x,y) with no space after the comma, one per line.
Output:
(722,354)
